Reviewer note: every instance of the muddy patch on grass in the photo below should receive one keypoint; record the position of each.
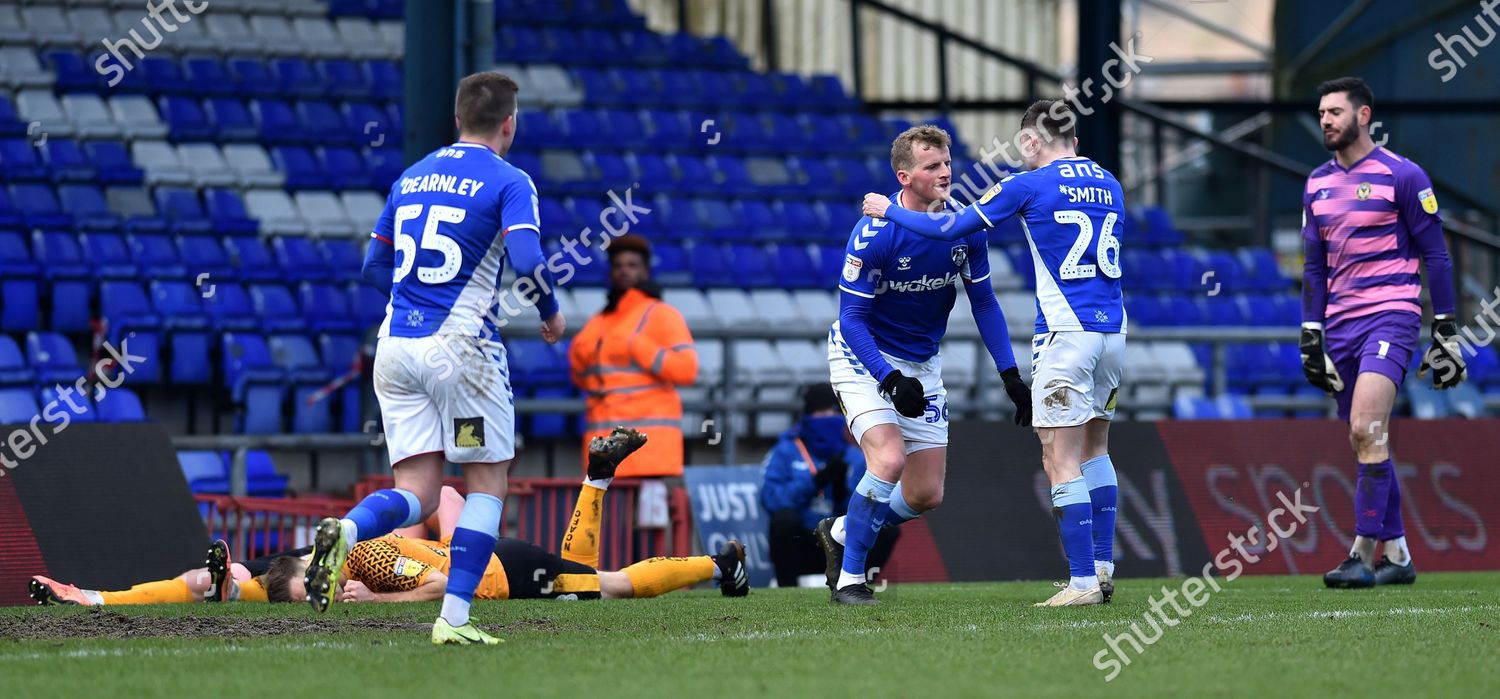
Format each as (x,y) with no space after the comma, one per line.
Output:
(101,623)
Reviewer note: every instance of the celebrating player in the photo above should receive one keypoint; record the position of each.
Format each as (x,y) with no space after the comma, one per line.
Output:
(1070,208)
(897,291)
(1366,216)
(441,377)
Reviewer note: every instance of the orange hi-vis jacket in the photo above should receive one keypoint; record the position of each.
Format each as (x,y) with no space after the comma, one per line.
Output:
(628,363)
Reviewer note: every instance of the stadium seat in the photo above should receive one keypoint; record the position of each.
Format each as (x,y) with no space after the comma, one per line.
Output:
(180,306)
(161,163)
(206,76)
(277,308)
(232,32)
(53,358)
(183,212)
(277,122)
(135,207)
(302,170)
(186,120)
(359,38)
(298,358)
(17,406)
(324,214)
(41,107)
(157,256)
(734,310)
(137,117)
(231,119)
(299,259)
(120,405)
(252,166)
(229,308)
(19,162)
(255,382)
(67,162)
(275,211)
(252,259)
(14,371)
(114,163)
(88,207)
(109,255)
(39,207)
(19,68)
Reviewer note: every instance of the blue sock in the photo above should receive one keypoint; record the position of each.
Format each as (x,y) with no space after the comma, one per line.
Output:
(383,512)
(862,523)
(1070,502)
(473,542)
(896,512)
(1104,492)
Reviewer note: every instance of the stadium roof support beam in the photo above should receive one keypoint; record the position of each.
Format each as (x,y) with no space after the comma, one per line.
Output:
(1226,32)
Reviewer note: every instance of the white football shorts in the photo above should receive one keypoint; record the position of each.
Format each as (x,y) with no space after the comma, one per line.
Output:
(1075,377)
(864,407)
(445,393)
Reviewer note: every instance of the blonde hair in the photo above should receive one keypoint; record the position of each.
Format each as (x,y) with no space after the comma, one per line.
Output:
(903,156)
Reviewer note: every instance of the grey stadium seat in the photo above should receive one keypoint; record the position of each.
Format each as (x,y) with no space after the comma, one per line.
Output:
(13,31)
(252,166)
(733,308)
(275,35)
(159,160)
(360,38)
(1020,312)
(776,309)
(710,362)
(49,25)
(324,215)
(960,363)
(820,308)
(276,212)
(394,33)
(94,24)
(364,209)
(589,300)
(41,106)
(137,117)
(231,32)
(1179,363)
(1002,274)
(807,360)
(207,164)
(129,202)
(318,36)
(693,307)
(90,117)
(555,87)
(19,68)
(758,364)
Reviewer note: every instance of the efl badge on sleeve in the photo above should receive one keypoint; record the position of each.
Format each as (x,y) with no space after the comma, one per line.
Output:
(1428,199)
(1363,191)
(990,194)
(407,568)
(851,268)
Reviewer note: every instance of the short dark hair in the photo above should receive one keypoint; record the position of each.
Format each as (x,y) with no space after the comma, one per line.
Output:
(903,155)
(1360,94)
(630,242)
(279,577)
(485,100)
(1052,119)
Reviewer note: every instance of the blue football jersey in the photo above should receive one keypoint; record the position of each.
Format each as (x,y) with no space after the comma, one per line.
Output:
(1073,212)
(447,218)
(912,282)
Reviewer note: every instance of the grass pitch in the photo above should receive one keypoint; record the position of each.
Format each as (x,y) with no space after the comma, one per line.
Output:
(1260,636)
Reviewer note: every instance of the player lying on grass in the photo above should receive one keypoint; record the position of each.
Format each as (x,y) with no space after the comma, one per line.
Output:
(220,579)
(396,568)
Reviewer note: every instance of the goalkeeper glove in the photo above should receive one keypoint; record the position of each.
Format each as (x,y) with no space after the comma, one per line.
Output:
(1019,393)
(905,393)
(1443,358)
(1317,366)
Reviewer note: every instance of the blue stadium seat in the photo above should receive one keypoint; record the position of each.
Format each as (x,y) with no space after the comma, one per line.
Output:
(10,215)
(669,264)
(567,172)
(584,129)
(804,221)
(602,87)
(157,257)
(121,405)
(127,308)
(614,172)
(1263,271)
(277,123)
(760,220)
(19,162)
(10,121)
(230,309)
(752,266)
(326,126)
(15,258)
(14,371)
(296,355)
(17,406)
(186,120)
(299,259)
(204,471)
(277,308)
(180,306)
(39,207)
(675,130)
(828,93)
(53,358)
(67,161)
(114,163)
(109,256)
(715,217)
(369,303)
(19,301)
(231,119)
(74,73)
(341,353)
(301,168)
(164,76)
(226,211)
(343,258)
(77,406)
(183,212)
(636,87)
(346,80)
(346,170)
(298,78)
(261,477)
(1225,407)
(386,164)
(645,48)
(655,175)
(1157,225)
(205,255)
(252,259)
(207,76)
(89,209)
(795,266)
(710,268)
(386,78)
(693,175)
(254,381)
(731,176)
(252,79)
(371,126)
(535,363)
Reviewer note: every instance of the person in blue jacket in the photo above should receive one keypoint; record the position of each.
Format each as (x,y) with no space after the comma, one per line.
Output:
(809,475)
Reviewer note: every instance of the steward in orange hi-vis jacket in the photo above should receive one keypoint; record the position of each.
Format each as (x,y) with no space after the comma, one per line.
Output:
(629,359)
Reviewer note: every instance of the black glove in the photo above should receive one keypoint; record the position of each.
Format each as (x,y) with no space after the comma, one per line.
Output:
(905,393)
(834,470)
(1317,366)
(1019,393)
(1443,358)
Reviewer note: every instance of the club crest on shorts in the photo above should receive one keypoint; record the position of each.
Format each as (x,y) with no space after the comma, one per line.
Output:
(468,432)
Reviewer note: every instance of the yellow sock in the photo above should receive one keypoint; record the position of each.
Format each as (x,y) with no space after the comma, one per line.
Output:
(253,590)
(586,586)
(660,575)
(174,591)
(581,542)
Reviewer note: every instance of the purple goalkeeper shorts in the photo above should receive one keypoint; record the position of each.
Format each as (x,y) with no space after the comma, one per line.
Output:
(1381,343)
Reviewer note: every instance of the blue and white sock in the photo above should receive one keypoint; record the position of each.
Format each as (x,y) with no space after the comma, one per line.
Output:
(473,541)
(897,512)
(381,513)
(862,524)
(1075,519)
(1104,494)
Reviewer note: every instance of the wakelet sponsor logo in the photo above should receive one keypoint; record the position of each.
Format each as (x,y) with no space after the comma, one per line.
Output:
(923,283)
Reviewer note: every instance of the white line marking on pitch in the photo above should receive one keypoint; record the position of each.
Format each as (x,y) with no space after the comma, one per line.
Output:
(167,652)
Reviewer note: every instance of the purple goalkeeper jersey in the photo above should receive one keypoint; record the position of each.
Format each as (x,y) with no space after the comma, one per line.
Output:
(1363,228)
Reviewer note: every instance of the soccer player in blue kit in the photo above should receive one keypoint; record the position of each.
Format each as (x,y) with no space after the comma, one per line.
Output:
(440,371)
(1071,210)
(897,289)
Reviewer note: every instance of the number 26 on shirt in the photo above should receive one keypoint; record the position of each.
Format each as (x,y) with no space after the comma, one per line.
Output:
(1107,255)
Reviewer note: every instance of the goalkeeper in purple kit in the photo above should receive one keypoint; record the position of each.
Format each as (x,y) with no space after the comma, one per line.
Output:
(1368,215)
